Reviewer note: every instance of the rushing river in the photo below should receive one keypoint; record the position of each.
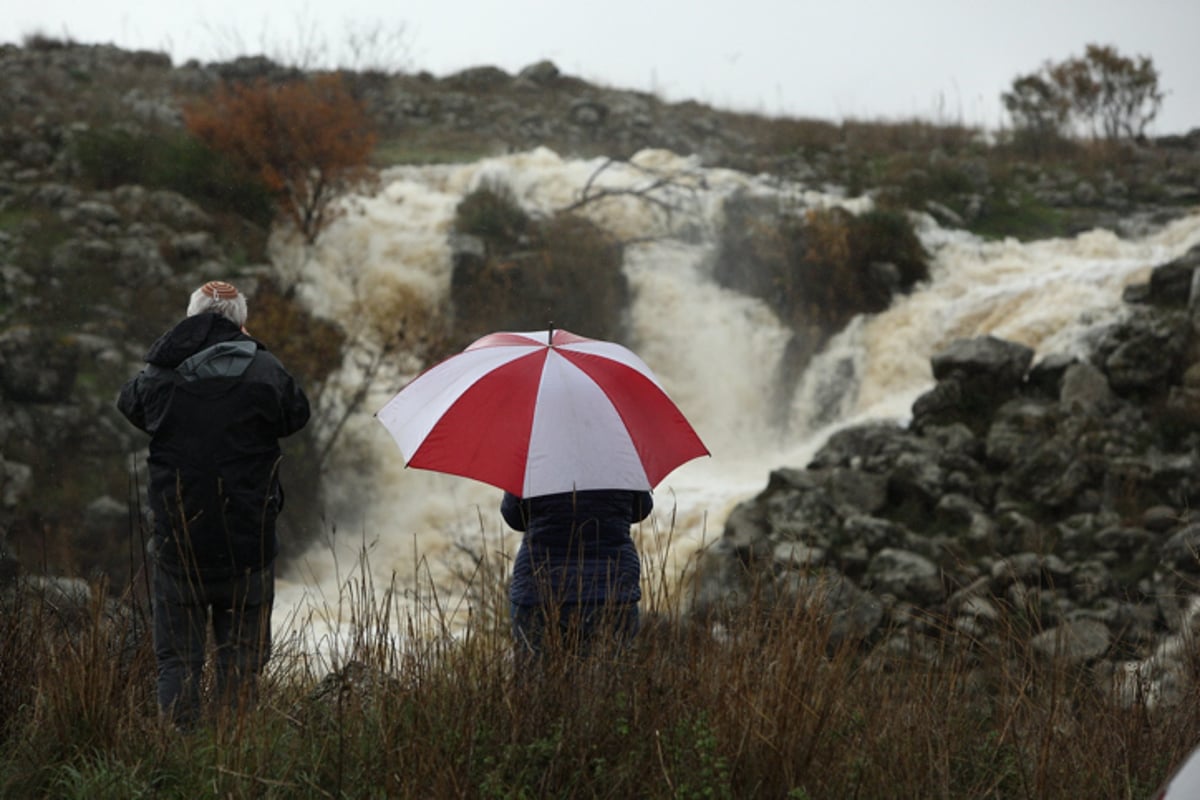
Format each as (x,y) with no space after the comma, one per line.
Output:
(715,351)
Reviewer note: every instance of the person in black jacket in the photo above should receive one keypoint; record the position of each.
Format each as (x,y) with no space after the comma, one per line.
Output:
(577,574)
(215,403)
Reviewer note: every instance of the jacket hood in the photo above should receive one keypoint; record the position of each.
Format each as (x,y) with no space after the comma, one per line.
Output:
(190,336)
(222,360)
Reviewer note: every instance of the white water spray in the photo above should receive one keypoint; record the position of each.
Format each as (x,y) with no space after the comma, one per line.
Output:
(715,351)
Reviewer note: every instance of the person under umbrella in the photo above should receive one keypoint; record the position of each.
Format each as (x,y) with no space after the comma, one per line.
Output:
(577,432)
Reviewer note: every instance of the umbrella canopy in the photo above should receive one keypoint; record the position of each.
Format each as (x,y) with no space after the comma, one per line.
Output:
(542,412)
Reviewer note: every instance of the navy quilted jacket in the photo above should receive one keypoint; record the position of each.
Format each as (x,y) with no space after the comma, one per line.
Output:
(577,547)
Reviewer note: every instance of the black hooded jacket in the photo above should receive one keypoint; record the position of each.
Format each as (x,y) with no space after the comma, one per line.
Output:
(215,403)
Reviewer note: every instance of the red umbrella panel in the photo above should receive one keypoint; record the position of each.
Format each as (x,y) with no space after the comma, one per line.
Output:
(542,412)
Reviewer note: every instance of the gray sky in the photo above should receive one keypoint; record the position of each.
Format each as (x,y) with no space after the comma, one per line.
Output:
(940,60)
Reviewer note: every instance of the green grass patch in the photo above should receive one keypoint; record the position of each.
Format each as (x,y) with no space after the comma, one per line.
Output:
(422,149)
(1026,220)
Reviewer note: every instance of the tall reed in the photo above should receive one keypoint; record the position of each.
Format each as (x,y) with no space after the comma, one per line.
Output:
(415,694)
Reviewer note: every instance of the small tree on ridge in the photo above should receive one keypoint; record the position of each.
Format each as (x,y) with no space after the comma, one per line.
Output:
(1039,110)
(308,140)
(1115,96)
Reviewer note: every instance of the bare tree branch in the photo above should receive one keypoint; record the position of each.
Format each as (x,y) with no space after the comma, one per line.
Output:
(657,193)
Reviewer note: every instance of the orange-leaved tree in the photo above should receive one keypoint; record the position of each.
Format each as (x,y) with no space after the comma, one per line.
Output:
(308,140)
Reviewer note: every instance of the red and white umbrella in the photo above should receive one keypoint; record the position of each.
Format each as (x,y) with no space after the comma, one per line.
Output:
(542,412)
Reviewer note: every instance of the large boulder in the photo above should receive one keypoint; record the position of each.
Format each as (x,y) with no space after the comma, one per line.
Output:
(974,376)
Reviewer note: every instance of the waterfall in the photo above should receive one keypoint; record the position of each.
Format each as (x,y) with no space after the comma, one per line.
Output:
(715,351)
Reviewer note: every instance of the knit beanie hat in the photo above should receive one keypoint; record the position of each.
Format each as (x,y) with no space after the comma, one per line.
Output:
(220,297)
(220,290)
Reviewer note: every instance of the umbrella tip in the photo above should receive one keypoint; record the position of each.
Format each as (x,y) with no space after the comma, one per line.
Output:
(550,334)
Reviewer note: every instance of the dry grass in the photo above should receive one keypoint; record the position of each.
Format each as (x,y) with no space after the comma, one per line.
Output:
(763,705)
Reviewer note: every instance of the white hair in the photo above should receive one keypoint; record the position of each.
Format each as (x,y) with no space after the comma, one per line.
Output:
(233,309)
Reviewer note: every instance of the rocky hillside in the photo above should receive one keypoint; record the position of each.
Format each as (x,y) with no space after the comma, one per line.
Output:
(1055,502)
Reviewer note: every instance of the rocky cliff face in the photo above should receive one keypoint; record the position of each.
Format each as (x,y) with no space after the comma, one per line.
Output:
(1057,499)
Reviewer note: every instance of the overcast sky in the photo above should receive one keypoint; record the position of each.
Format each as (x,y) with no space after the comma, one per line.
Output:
(941,60)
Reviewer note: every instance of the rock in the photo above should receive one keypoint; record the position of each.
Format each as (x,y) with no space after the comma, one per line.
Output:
(14,482)
(160,206)
(873,532)
(1182,550)
(105,514)
(1045,377)
(542,72)
(721,584)
(1076,642)
(1166,676)
(35,368)
(851,614)
(986,360)
(1032,569)
(587,113)
(905,575)
(1161,519)
(93,214)
(944,214)
(1085,390)
(793,555)
(855,489)
(247,69)
(1018,428)
(1090,581)
(745,527)
(1145,353)
(194,247)
(479,78)
(1183,406)
(1170,284)
(974,376)
(943,404)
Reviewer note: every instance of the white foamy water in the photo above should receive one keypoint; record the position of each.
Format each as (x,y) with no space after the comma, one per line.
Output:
(714,350)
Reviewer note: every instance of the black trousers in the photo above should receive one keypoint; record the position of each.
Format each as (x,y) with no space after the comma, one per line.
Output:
(239,610)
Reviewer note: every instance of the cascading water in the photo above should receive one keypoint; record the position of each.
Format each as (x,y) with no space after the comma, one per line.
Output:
(714,350)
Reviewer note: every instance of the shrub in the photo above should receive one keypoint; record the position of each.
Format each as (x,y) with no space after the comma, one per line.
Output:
(888,236)
(308,141)
(492,213)
(563,270)
(818,271)
(1111,94)
(1116,93)
(40,40)
(841,269)
(579,277)
(822,269)
(115,156)
(1040,113)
